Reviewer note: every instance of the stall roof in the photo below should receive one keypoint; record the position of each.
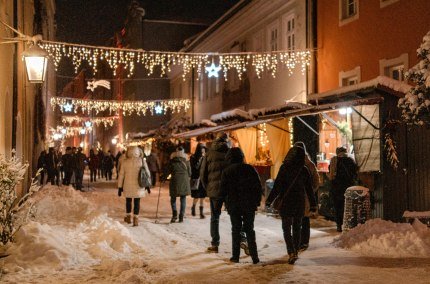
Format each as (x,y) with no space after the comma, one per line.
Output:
(199,131)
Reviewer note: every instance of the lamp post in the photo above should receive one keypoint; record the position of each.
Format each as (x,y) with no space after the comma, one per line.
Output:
(36,62)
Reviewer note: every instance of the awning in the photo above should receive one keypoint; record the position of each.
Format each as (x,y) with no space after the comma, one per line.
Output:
(199,131)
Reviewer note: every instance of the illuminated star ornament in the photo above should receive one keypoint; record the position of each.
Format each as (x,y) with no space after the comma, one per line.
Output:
(213,70)
(94,84)
(158,109)
(68,107)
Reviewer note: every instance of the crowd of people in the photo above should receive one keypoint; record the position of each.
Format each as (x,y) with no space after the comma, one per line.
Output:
(68,168)
(219,172)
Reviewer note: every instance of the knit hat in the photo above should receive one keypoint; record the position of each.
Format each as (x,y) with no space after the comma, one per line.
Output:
(222,136)
(340,150)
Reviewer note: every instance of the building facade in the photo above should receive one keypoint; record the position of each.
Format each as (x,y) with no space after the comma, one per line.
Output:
(23,106)
(357,41)
(249,26)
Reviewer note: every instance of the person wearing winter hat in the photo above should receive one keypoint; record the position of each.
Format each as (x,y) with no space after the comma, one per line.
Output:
(128,182)
(306,224)
(242,191)
(343,174)
(180,171)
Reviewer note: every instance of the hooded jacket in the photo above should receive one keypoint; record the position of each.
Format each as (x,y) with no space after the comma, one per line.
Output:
(240,184)
(212,166)
(180,170)
(294,177)
(129,172)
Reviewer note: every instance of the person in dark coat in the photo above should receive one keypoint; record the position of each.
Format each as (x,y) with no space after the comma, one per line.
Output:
(241,188)
(51,162)
(41,165)
(293,184)
(68,165)
(80,163)
(93,164)
(306,223)
(101,169)
(199,192)
(154,166)
(343,174)
(180,170)
(108,164)
(210,175)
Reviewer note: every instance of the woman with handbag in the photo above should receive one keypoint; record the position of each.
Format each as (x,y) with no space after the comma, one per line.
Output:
(179,186)
(292,185)
(197,190)
(128,182)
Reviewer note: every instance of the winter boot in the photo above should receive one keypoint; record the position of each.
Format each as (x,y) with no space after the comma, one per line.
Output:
(174,216)
(292,258)
(193,210)
(202,216)
(127,219)
(244,246)
(181,218)
(213,249)
(135,221)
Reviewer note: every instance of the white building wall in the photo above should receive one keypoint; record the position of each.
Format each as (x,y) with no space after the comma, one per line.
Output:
(242,31)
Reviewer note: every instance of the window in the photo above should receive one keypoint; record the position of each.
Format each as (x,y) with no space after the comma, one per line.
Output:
(384,3)
(351,77)
(350,81)
(394,67)
(289,32)
(273,36)
(348,11)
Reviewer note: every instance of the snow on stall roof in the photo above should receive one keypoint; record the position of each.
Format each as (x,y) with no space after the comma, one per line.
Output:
(208,122)
(395,85)
(416,214)
(387,239)
(135,135)
(277,109)
(231,114)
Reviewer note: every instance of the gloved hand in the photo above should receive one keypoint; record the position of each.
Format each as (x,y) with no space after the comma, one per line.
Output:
(120,190)
(313,209)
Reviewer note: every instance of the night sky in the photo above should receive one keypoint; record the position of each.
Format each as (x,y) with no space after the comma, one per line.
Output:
(95,21)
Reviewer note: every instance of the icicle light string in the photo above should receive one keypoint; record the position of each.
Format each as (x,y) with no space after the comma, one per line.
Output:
(127,107)
(129,58)
(106,121)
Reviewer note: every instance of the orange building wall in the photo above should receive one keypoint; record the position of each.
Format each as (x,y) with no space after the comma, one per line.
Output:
(379,33)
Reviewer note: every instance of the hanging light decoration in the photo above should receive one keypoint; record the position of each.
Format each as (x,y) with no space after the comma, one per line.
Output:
(157,60)
(36,62)
(105,121)
(127,107)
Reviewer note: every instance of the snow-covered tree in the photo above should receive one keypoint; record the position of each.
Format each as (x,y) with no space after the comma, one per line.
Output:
(416,103)
(12,171)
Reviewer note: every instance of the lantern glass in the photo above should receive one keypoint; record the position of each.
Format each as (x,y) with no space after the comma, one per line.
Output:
(36,62)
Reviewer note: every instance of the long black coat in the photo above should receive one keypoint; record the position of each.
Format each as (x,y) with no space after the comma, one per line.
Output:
(241,187)
(212,166)
(294,200)
(346,176)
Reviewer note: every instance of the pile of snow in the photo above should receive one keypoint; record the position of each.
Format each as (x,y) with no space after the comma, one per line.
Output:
(387,239)
(68,232)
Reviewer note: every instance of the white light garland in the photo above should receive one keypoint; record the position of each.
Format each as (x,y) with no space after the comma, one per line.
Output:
(127,107)
(106,121)
(129,58)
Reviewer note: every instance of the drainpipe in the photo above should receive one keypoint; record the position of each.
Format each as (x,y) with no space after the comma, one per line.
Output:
(15,77)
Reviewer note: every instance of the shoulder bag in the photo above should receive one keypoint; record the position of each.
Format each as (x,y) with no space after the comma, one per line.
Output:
(279,200)
(143,179)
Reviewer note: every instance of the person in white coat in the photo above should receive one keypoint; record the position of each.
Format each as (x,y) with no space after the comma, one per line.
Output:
(128,182)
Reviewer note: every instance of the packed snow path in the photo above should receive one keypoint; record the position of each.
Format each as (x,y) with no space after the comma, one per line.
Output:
(81,238)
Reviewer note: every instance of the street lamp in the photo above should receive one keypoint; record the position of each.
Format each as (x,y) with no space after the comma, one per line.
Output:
(36,61)
(114,141)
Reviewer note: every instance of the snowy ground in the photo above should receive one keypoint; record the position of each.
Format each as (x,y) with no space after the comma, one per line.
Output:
(80,238)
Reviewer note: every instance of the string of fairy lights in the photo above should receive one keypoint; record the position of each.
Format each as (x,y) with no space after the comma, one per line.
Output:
(163,61)
(128,107)
(89,121)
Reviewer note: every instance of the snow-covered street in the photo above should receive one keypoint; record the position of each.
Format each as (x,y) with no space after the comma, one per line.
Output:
(81,238)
